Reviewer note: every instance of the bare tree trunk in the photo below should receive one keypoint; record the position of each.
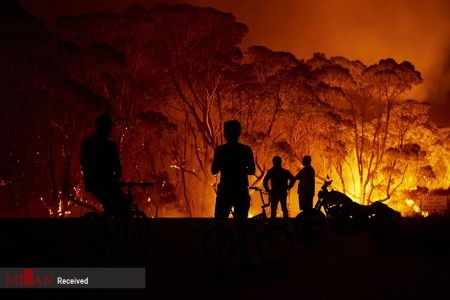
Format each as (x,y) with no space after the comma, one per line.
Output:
(185,194)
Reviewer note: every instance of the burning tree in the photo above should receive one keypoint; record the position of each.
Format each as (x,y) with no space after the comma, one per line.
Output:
(44,107)
(171,75)
(193,53)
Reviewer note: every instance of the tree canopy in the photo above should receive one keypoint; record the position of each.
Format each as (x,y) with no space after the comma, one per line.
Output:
(170,75)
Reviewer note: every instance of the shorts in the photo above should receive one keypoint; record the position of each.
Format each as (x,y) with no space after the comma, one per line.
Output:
(240,203)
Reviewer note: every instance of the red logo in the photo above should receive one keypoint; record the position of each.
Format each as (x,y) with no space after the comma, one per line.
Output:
(28,279)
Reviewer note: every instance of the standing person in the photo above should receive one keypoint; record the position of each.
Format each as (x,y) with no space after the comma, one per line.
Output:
(306,185)
(235,162)
(281,180)
(102,169)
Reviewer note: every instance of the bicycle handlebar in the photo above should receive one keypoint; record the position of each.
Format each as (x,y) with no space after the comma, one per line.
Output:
(255,188)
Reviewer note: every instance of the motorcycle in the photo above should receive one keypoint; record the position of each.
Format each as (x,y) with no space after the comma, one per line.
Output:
(344,216)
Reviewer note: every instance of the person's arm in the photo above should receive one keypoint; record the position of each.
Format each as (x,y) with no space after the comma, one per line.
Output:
(215,167)
(266,181)
(291,179)
(250,163)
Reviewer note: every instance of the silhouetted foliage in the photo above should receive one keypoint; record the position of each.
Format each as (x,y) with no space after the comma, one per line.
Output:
(170,75)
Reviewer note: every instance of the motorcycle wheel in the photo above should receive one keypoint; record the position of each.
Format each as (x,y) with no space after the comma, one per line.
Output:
(383,230)
(338,225)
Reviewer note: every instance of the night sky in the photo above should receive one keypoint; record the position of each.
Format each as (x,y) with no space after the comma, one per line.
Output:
(418,31)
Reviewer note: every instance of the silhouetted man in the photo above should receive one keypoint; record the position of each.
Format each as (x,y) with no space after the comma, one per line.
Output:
(101,167)
(281,180)
(235,162)
(306,186)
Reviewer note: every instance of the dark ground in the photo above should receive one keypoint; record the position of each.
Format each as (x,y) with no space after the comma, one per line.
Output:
(416,266)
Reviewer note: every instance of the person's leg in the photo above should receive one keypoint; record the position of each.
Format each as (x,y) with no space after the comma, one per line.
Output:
(274,205)
(284,206)
(301,205)
(306,202)
(241,207)
(309,202)
(223,207)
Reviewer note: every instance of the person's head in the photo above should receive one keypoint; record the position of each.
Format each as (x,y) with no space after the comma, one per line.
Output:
(231,130)
(276,160)
(306,161)
(103,125)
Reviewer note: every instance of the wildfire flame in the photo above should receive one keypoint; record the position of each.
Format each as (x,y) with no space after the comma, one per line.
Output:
(415,207)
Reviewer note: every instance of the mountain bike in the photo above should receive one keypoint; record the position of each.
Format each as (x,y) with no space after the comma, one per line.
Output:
(273,242)
(127,229)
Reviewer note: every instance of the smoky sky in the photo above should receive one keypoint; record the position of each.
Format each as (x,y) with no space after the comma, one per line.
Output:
(368,30)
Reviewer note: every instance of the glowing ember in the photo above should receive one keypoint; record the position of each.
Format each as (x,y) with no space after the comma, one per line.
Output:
(170,81)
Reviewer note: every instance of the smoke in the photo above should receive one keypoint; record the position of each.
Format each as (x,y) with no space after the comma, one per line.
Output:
(439,91)
(414,30)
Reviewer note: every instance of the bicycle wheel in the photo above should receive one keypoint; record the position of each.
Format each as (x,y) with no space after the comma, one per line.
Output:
(91,227)
(311,224)
(90,238)
(138,221)
(218,246)
(138,229)
(137,237)
(274,245)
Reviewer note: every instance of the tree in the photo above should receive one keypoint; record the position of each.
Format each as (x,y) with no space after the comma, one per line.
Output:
(171,75)
(367,96)
(44,104)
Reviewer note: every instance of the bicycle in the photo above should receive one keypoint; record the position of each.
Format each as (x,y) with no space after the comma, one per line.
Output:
(134,212)
(274,243)
(121,228)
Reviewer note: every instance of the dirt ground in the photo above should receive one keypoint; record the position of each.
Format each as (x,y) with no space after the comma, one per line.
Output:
(415,266)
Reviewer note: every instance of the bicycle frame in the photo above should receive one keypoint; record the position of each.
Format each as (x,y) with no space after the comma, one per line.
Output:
(130,185)
(129,196)
(263,214)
